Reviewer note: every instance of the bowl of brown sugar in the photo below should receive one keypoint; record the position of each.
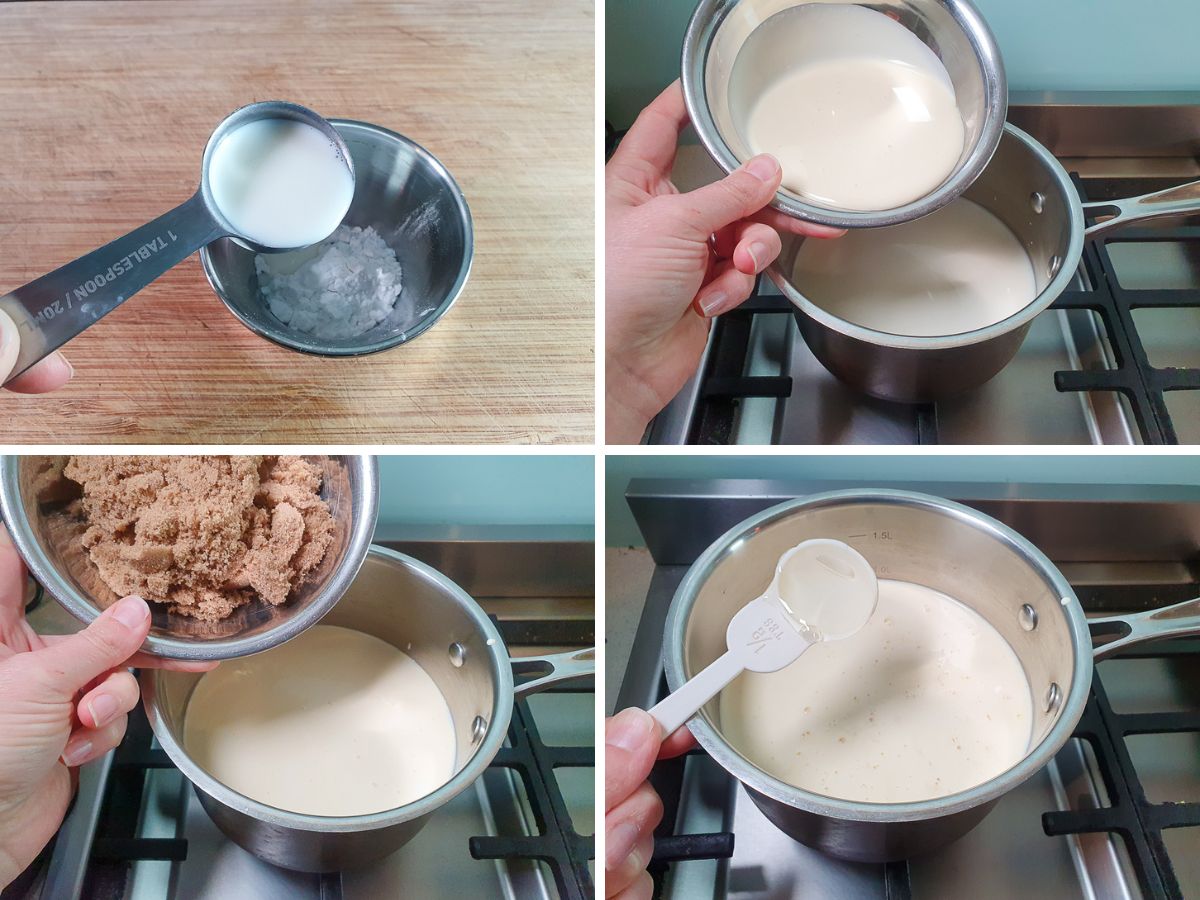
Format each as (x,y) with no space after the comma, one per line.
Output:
(235,554)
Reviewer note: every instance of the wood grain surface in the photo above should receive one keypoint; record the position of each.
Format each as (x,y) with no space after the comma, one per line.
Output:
(104,112)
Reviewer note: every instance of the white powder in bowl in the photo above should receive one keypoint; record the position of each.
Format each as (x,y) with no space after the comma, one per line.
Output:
(337,289)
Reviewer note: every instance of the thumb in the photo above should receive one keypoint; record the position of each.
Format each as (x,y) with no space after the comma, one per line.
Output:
(738,195)
(105,644)
(631,741)
(10,342)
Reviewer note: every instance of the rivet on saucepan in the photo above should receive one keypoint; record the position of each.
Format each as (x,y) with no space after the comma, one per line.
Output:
(1053,697)
(1038,201)
(458,654)
(478,729)
(1027,617)
(1054,265)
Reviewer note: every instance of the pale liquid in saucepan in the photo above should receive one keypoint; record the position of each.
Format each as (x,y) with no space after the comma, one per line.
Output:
(333,723)
(863,115)
(926,700)
(955,270)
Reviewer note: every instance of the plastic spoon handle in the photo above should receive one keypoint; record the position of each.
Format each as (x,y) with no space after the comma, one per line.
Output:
(51,310)
(680,706)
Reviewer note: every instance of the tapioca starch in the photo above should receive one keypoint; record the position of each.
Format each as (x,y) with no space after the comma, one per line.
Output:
(337,289)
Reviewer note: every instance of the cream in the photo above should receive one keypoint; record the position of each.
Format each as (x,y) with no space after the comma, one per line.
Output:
(333,723)
(859,112)
(926,700)
(955,270)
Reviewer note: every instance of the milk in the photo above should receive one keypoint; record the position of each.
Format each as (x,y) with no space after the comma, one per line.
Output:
(280,183)
(955,270)
(333,723)
(859,112)
(926,700)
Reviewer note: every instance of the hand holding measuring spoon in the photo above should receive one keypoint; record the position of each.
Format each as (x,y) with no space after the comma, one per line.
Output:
(49,374)
(823,590)
(275,177)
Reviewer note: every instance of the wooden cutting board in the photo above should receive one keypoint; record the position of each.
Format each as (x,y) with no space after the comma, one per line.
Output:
(104,112)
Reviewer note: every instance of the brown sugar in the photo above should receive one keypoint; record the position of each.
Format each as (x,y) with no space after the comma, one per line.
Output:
(204,534)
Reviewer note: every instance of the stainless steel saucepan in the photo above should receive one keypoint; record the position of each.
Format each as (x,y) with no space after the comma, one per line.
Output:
(410,605)
(942,545)
(1030,192)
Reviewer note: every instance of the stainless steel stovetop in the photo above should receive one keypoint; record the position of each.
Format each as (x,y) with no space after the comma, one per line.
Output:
(1120,144)
(1122,548)
(538,583)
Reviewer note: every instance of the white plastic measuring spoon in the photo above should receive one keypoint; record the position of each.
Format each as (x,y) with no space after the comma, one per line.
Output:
(823,590)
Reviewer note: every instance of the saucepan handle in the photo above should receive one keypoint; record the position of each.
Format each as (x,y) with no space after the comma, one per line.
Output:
(1184,198)
(1115,633)
(542,671)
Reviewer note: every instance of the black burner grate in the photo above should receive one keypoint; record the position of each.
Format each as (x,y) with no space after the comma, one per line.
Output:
(1142,384)
(667,780)
(117,844)
(724,385)
(557,844)
(1130,815)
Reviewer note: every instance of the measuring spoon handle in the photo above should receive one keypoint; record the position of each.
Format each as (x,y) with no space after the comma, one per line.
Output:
(51,310)
(675,709)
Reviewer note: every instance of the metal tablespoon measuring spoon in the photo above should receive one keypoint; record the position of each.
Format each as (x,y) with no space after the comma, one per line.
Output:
(823,590)
(52,309)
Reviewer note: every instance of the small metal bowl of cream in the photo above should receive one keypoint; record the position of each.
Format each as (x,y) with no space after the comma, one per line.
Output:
(734,51)
(409,198)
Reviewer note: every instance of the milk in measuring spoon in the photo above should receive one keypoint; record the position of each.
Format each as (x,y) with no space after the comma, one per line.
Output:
(859,112)
(280,183)
(926,700)
(955,270)
(333,723)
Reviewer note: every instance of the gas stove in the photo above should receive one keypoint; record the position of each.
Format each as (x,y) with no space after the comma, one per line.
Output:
(524,830)
(1114,361)
(1115,816)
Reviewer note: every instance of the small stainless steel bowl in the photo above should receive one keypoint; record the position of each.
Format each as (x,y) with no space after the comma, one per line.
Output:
(414,203)
(952,29)
(49,542)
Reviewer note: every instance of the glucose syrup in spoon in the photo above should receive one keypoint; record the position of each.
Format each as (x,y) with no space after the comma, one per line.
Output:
(823,590)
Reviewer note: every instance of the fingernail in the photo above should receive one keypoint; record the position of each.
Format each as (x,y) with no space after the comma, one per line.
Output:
(77,752)
(713,303)
(619,843)
(630,729)
(763,167)
(66,363)
(131,611)
(103,708)
(8,345)
(8,330)
(56,367)
(758,252)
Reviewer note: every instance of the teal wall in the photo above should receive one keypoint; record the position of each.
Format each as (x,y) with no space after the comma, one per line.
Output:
(620,530)
(1047,45)
(486,490)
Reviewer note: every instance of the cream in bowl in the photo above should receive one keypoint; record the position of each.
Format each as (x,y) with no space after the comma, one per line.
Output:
(859,112)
